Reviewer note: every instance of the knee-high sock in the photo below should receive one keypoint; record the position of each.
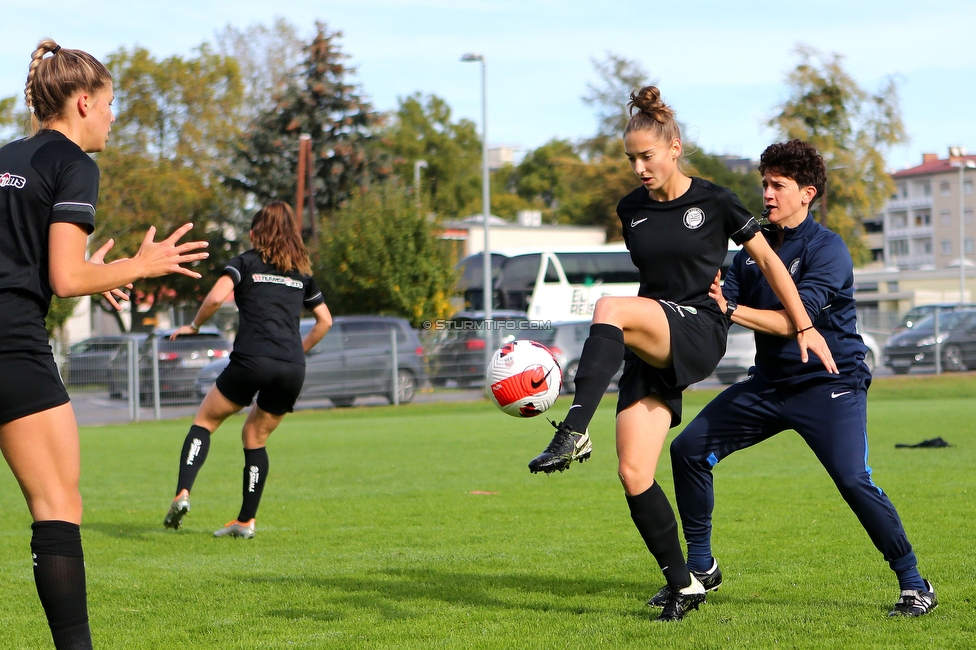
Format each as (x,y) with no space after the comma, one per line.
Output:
(654,518)
(59,573)
(600,359)
(194,455)
(255,475)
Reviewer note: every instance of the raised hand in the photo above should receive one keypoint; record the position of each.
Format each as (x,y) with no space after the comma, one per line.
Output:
(167,256)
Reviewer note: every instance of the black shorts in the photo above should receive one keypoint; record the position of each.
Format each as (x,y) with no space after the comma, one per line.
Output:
(699,335)
(276,382)
(29,383)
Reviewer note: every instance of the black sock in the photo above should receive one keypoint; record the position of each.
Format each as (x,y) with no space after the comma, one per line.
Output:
(654,518)
(255,475)
(599,361)
(59,573)
(194,455)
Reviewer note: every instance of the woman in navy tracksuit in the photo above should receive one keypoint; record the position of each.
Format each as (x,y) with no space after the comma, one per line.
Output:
(828,411)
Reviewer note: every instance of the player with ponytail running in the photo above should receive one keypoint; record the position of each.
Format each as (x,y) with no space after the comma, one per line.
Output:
(271,284)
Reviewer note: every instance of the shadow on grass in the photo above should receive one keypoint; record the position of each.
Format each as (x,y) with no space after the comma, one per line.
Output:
(124,531)
(394,593)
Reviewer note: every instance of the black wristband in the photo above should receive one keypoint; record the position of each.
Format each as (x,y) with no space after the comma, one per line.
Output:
(804,329)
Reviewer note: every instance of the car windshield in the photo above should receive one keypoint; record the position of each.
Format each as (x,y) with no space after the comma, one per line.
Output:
(542,335)
(947,321)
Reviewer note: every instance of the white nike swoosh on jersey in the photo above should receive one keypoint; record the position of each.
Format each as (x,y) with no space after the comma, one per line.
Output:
(836,395)
(749,261)
(575,406)
(634,223)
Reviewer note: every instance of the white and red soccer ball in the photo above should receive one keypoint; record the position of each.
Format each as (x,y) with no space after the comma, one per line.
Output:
(523,378)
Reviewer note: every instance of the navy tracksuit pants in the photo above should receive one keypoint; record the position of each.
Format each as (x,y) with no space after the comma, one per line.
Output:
(831,417)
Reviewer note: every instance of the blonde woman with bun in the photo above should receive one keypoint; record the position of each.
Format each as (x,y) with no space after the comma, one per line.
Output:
(48,193)
(669,336)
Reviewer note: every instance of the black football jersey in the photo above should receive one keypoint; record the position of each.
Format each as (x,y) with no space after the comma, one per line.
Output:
(678,246)
(270,304)
(44,179)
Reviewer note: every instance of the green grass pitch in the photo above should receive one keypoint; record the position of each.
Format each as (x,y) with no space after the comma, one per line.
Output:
(421,527)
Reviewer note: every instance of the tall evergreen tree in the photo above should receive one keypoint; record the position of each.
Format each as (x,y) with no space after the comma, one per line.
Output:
(317,100)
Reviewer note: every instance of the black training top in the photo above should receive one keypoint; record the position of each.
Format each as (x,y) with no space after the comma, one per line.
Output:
(44,179)
(678,246)
(270,304)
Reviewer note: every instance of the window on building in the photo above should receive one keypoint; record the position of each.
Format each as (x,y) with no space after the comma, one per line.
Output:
(946,247)
(923,218)
(903,190)
(969,247)
(923,246)
(898,247)
(926,187)
(945,188)
(967,187)
(967,216)
(945,218)
(899,219)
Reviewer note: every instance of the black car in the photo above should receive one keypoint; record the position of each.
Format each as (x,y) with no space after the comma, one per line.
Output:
(916,346)
(458,352)
(353,360)
(90,361)
(179,361)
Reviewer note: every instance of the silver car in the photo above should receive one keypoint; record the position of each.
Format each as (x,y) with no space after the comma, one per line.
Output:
(740,354)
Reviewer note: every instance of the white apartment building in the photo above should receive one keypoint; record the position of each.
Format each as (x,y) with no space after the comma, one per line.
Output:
(921,220)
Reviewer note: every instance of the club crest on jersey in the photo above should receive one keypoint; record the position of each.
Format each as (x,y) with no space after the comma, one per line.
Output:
(694,218)
(794,265)
(9,179)
(277,279)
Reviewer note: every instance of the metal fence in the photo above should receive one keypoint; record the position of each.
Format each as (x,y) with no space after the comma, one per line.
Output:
(143,377)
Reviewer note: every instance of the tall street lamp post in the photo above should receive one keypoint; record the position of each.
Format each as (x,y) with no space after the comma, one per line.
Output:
(417,166)
(963,165)
(488,293)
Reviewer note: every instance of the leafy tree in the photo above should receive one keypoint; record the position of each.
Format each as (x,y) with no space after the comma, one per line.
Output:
(748,186)
(618,78)
(267,57)
(317,100)
(184,110)
(852,129)
(165,166)
(377,255)
(422,129)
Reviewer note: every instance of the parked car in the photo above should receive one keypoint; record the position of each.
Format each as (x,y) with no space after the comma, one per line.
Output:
(458,354)
(180,362)
(90,361)
(916,346)
(565,341)
(740,354)
(354,359)
(915,314)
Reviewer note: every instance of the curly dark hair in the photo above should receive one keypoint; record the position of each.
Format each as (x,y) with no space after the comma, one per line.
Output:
(795,159)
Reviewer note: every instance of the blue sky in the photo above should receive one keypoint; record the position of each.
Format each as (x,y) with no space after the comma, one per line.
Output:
(721,65)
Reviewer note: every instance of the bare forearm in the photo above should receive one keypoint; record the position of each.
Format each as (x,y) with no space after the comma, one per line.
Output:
(85,278)
(767,321)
